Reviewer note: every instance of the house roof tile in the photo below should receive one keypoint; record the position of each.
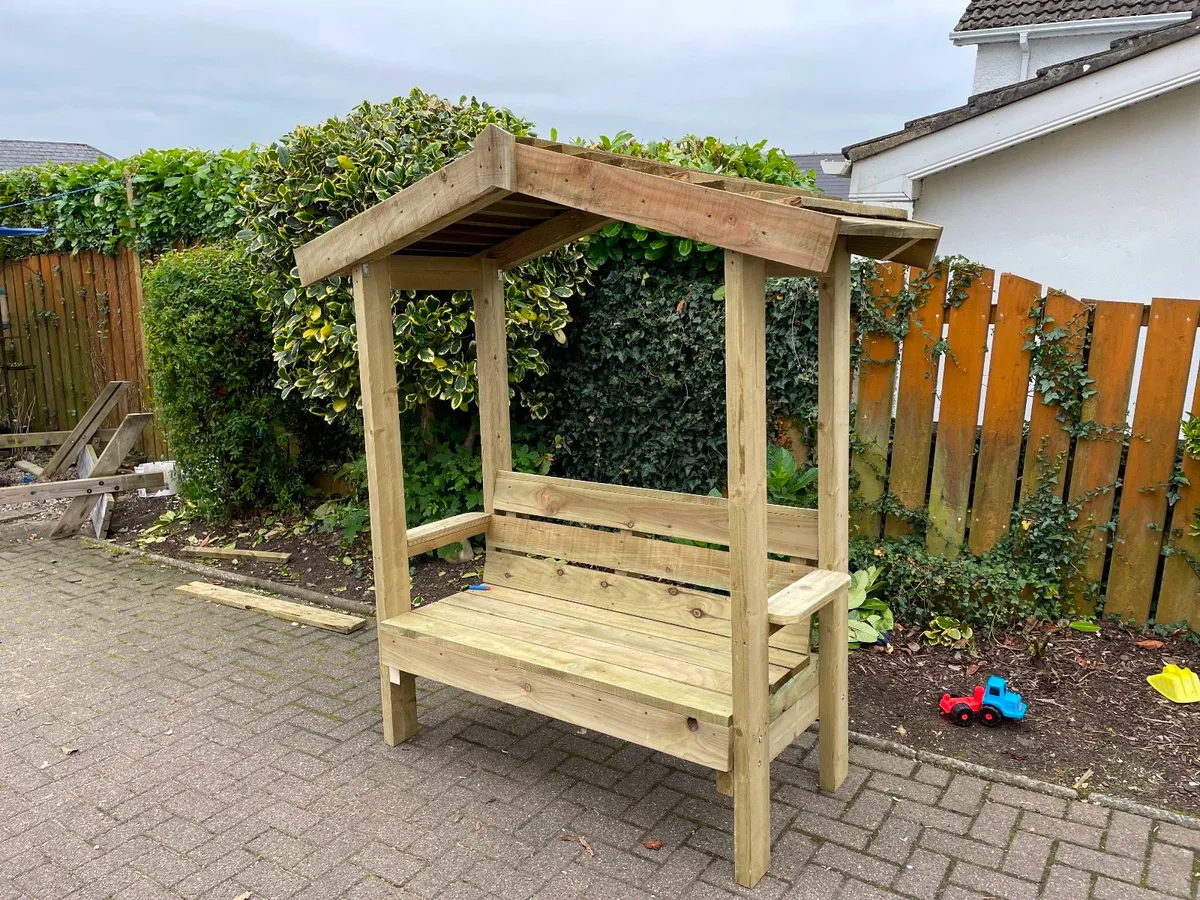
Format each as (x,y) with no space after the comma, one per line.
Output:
(17,154)
(1007,13)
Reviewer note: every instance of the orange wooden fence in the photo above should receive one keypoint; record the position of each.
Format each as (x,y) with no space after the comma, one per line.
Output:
(992,436)
(73,323)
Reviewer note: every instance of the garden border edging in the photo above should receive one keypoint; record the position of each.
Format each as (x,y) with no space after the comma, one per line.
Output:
(252,581)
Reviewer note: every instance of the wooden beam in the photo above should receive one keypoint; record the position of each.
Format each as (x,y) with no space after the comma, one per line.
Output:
(796,237)
(541,239)
(385,479)
(746,406)
(491,370)
(80,487)
(833,512)
(919,253)
(341,622)
(269,556)
(86,427)
(434,273)
(441,198)
(29,468)
(433,535)
(47,438)
(109,461)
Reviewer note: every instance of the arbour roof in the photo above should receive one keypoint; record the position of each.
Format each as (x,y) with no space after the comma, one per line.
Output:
(511,199)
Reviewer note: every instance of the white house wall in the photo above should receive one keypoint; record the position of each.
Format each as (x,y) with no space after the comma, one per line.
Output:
(1105,209)
(998,64)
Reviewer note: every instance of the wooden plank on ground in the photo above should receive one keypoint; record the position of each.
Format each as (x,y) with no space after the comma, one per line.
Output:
(1048,438)
(237,553)
(913,437)
(80,487)
(873,412)
(89,423)
(1003,413)
(700,742)
(29,468)
(342,623)
(958,417)
(1162,384)
(1097,459)
(101,511)
(81,508)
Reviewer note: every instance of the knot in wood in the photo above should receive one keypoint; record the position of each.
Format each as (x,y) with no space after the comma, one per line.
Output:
(603,583)
(692,724)
(697,613)
(527,687)
(673,591)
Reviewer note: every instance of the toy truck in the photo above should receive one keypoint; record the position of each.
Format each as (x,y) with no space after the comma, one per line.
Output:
(991,704)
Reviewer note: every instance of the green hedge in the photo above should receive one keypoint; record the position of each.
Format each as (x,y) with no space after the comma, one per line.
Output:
(236,443)
(180,196)
(639,389)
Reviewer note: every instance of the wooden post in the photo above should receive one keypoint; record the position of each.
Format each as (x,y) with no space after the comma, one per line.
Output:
(385,479)
(833,512)
(746,410)
(491,370)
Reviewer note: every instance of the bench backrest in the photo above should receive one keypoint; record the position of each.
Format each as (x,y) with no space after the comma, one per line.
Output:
(681,583)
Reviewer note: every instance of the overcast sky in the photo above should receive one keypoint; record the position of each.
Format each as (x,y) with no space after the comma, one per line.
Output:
(129,74)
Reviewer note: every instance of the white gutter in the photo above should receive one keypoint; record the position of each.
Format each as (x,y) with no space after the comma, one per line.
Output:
(1070,27)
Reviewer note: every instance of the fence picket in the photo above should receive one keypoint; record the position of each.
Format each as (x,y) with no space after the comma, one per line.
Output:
(1179,595)
(913,437)
(1097,459)
(1047,436)
(1143,509)
(1003,414)
(954,451)
(873,410)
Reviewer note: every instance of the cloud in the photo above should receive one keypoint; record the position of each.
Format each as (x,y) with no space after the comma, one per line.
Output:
(127,75)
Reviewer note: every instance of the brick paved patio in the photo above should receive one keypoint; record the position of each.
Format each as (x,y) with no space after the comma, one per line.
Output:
(217,753)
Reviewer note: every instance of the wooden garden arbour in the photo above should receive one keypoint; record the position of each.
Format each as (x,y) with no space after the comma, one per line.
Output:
(595,616)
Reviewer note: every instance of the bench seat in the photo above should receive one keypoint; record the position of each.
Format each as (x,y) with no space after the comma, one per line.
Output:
(661,664)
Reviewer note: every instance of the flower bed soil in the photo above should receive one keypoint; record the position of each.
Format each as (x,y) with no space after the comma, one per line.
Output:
(1093,721)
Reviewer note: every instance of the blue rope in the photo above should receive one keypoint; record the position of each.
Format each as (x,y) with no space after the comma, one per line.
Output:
(59,194)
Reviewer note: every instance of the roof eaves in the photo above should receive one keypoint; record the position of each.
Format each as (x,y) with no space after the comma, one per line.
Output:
(1050,77)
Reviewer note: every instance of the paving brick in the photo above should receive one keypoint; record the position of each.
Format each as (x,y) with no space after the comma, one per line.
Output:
(1127,835)
(894,840)
(1100,862)
(964,794)
(1026,799)
(1064,883)
(962,848)
(1171,869)
(922,875)
(858,865)
(1088,813)
(994,824)
(1072,832)
(1028,855)
(994,884)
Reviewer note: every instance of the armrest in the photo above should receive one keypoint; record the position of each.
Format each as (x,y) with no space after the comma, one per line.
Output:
(802,598)
(432,535)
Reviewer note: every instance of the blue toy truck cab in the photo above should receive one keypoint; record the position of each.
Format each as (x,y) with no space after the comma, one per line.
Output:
(997,694)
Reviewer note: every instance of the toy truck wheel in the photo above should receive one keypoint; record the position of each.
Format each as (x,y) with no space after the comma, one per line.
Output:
(961,715)
(990,716)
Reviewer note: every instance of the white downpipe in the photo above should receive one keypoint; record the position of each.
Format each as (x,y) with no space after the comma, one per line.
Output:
(1024,38)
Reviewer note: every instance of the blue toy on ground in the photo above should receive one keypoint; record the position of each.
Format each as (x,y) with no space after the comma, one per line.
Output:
(991,704)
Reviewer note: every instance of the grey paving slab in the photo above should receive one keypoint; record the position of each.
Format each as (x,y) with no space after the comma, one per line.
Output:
(154,745)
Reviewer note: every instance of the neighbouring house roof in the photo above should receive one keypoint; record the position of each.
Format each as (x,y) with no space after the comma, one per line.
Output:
(1008,13)
(1121,50)
(830,184)
(17,154)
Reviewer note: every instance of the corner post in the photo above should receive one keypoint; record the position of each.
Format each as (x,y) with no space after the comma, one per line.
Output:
(385,479)
(833,512)
(491,371)
(746,410)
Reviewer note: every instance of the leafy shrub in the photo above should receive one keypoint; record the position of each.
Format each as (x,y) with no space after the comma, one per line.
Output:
(787,483)
(314,178)
(237,445)
(639,388)
(180,196)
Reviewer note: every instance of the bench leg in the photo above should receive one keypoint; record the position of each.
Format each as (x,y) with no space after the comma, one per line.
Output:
(751,826)
(833,708)
(399,706)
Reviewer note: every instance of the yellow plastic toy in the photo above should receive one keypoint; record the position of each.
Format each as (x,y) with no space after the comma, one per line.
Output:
(1177,684)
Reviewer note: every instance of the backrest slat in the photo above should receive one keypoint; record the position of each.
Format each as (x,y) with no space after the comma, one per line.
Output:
(790,531)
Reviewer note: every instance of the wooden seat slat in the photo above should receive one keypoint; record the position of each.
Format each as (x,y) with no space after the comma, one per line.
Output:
(609,652)
(712,640)
(711,706)
(627,635)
